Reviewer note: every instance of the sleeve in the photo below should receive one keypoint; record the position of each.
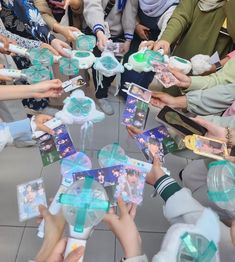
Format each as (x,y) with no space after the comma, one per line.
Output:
(179,21)
(46,13)
(20,130)
(211,101)
(222,77)
(224,121)
(21,41)
(94,14)
(129,18)
(30,16)
(174,196)
(137,259)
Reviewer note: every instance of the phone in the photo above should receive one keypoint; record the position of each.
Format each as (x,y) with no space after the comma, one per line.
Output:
(180,122)
(206,146)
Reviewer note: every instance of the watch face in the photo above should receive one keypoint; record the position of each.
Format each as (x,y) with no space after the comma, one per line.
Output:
(218,65)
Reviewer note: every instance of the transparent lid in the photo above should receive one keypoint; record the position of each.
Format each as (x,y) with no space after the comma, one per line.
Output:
(36,74)
(108,62)
(84,204)
(75,163)
(41,56)
(112,155)
(221,184)
(151,56)
(79,106)
(196,248)
(85,42)
(69,66)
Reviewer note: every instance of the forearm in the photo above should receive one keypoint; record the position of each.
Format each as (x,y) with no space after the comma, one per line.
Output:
(21,41)
(11,92)
(180,102)
(173,195)
(211,101)
(179,21)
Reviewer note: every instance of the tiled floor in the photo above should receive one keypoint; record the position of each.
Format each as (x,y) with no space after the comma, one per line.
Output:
(18,241)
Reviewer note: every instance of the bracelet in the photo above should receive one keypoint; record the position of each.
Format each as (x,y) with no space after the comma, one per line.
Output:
(229,137)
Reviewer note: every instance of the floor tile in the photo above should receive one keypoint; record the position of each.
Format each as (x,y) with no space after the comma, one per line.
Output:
(29,246)
(105,132)
(10,238)
(151,245)
(15,170)
(100,247)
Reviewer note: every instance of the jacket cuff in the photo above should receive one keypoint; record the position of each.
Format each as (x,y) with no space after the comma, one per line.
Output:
(98,27)
(166,187)
(50,38)
(20,130)
(128,36)
(137,259)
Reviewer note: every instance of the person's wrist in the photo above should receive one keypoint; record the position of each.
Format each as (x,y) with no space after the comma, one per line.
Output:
(57,28)
(180,102)
(133,251)
(99,33)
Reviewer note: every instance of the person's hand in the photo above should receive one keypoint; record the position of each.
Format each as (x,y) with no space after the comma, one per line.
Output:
(161,99)
(54,228)
(146,44)
(162,44)
(133,131)
(50,48)
(66,31)
(184,80)
(4,78)
(48,88)
(59,46)
(40,120)
(213,130)
(6,42)
(125,47)
(101,40)
(142,31)
(57,255)
(124,228)
(155,173)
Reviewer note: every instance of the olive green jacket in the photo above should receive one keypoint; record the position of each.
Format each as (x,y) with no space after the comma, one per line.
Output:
(198,32)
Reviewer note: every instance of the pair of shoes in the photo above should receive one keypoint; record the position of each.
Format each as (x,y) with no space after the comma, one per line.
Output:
(105,106)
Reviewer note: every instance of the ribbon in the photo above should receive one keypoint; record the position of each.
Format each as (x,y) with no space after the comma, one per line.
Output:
(113,156)
(84,202)
(197,248)
(86,134)
(79,106)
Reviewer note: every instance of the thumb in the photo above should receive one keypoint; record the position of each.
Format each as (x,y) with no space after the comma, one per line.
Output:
(122,207)
(145,28)
(75,255)
(44,212)
(156,162)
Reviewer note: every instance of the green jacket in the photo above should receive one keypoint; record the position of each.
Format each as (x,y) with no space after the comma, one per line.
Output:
(224,76)
(199,32)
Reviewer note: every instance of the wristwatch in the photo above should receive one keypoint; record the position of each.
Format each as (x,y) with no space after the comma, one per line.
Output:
(218,65)
(123,259)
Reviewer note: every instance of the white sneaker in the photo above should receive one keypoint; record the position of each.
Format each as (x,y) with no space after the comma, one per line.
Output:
(105,106)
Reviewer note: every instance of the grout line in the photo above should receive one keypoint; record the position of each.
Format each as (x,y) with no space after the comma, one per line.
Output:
(12,226)
(115,249)
(18,249)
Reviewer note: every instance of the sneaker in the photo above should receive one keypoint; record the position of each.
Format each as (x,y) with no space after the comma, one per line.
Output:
(105,106)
